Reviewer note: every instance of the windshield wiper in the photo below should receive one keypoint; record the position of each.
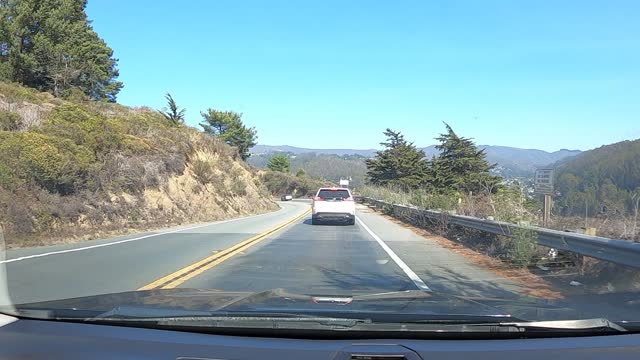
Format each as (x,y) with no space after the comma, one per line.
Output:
(571,326)
(237,321)
(285,320)
(305,325)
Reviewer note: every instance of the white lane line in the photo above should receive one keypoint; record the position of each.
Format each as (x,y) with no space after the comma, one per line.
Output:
(130,240)
(407,270)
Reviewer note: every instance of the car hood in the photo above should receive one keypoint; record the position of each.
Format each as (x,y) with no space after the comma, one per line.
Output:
(186,302)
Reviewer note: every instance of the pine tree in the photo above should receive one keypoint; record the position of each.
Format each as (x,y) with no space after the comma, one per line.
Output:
(228,126)
(174,115)
(461,166)
(400,164)
(279,163)
(50,45)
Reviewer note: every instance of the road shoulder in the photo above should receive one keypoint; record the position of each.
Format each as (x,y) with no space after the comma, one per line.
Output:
(446,268)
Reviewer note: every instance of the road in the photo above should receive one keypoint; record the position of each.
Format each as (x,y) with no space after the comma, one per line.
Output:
(375,255)
(275,250)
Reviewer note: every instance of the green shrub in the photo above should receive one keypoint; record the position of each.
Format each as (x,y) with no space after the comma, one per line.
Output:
(74,94)
(75,122)
(279,183)
(522,246)
(203,171)
(17,93)
(7,178)
(9,121)
(55,164)
(238,187)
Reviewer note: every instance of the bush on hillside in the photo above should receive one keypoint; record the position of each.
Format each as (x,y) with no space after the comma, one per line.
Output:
(279,183)
(54,163)
(203,170)
(15,93)
(9,121)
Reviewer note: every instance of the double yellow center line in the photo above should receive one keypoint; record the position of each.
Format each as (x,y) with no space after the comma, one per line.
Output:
(176,278)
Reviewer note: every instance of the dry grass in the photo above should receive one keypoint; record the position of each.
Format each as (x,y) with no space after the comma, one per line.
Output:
(614,227)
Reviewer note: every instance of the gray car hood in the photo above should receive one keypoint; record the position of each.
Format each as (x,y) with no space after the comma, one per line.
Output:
(414,303)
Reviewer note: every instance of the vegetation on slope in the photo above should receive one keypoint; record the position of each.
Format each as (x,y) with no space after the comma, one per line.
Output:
(603,181)
(280,183)
(324,166)
(88,169)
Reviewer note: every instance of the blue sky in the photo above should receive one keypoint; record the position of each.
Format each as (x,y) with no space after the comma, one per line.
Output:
(531,74)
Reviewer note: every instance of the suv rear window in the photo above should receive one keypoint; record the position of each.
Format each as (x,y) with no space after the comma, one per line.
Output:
(329,194)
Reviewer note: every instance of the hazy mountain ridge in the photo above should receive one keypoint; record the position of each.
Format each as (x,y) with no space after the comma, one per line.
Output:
(267,149)
(511,161)
(327,166)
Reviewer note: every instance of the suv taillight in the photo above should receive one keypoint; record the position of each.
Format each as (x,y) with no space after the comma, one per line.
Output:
(318,198)
(348,199)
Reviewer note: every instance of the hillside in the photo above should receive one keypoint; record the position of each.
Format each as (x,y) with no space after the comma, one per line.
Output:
(89,169)
(326,166)
(602,180)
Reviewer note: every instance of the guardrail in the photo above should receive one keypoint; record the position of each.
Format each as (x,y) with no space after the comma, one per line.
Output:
(613,250)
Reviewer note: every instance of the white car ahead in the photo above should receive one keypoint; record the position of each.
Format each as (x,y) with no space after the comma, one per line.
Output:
(333,204)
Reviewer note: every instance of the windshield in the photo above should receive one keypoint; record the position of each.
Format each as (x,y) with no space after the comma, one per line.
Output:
(483,167)
(333,194)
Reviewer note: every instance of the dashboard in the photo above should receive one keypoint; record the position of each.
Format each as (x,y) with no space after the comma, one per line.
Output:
(35,339)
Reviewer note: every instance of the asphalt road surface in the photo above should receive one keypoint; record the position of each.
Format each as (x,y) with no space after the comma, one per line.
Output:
(375,255)
(274,250)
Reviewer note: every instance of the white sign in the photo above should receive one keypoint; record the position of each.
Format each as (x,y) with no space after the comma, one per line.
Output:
(544,181)
(344,182)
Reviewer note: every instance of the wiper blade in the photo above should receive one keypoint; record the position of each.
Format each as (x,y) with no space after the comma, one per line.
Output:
(243,321)
(310,325)
(273,321)
(582,325)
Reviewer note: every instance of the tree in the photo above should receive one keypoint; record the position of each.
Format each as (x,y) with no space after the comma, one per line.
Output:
(174,115)
(400,164)
(460,166)
(228,126)
(300,172)
(50,45)
(279,163)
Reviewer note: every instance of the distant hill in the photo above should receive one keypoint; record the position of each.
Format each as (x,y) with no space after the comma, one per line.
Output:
(515,161)
(267,149)
(599,180)
(326,166)
(512,162)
